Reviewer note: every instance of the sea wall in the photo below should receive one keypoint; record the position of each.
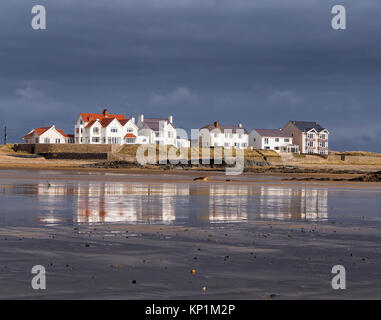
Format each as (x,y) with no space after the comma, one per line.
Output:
(67,148)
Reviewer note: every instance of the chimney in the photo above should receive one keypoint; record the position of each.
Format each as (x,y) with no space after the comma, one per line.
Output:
(239,125)
(216,124)
(141,118)
(132,119)
(105,113)
(170,119)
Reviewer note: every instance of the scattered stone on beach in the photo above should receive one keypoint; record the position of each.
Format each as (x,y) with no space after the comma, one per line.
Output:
(201,179)
(193,271)
(203,288)
(370,177)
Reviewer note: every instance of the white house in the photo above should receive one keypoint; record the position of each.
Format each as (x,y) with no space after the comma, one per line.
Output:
(272,139)
(310,136)
(105,128)
(157,130)
(48,135)
(214,135)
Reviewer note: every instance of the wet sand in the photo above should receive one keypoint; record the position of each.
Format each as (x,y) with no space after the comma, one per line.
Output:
(290,260)
(248,260)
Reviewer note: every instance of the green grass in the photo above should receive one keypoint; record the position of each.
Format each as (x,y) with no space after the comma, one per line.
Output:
(361,153)
(7,148)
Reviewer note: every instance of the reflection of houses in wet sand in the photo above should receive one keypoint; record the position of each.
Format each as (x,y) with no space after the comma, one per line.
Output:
(291,203)
(128,203)
(228,203)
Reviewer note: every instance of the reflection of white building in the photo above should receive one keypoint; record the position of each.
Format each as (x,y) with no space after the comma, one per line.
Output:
(128,202)
(291,203)
(228,203)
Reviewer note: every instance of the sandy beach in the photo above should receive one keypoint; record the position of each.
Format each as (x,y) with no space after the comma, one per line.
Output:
(286,252)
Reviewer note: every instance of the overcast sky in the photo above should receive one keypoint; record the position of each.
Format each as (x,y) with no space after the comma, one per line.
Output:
(261,62)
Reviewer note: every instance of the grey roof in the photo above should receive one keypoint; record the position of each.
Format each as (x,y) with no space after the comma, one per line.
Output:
(154,123)
(234,129)
(273,133)
(307,125)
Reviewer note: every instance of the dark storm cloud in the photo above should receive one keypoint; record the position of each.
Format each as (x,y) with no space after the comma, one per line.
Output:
(262,62)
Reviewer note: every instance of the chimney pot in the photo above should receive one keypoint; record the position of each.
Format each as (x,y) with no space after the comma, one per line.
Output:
(170,119)
(216,124)
(240,125)
(141,118)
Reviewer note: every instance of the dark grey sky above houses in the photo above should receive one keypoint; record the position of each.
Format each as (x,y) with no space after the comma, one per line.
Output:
(261,62)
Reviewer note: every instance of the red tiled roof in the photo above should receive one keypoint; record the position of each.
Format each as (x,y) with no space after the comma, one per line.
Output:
(39,131)
(86,117)
(90,123)
(42,130)
(106,122)
(130,135)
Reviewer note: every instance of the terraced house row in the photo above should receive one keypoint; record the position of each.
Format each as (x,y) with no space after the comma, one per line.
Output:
(106,128)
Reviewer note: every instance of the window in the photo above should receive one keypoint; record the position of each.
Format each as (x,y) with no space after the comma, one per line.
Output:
(95,139)
(216,135)
(310,136)
(46,140)
(130,140)
(114,130)
(266,140)
(240,136)
(157,134)
(276,148)
(267,148)
(276,139)
(322,136)
(36,140)
(243,145)
(130,130)
(286,140)
(95,130)
(114,140)
(310,143)
(58,140)
(227,144)
(170,134)
(77,130)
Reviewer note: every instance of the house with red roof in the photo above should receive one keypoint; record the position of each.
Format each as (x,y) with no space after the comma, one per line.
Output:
(48,135)
(105,128)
